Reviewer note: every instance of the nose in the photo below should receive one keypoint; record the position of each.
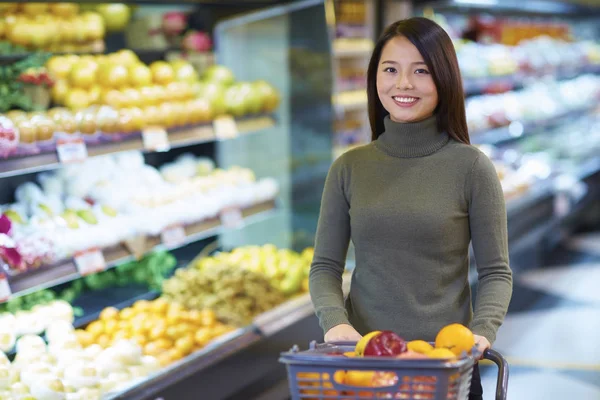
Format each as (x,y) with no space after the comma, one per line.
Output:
(404,81)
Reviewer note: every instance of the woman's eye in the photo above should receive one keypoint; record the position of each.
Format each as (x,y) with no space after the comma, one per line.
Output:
(421,71)
(390,69)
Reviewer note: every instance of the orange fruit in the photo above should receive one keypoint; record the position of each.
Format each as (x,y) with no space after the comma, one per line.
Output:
(455,337)
(362,343)
(441,353)
(60,90)
(77,99)
(359,378)
(110,326)
(419,346)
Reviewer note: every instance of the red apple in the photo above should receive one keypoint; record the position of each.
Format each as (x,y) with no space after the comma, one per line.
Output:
(385,344)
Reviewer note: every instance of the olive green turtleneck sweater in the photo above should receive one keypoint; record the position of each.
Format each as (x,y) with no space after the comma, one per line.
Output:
(411,202)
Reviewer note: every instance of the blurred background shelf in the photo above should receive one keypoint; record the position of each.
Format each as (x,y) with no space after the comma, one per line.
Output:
(53,275)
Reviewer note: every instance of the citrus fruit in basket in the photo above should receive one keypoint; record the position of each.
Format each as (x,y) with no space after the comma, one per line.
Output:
(419,346)
(456,338)
(441,353)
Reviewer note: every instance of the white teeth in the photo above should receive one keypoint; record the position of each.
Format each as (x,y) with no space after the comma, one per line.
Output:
(405,99)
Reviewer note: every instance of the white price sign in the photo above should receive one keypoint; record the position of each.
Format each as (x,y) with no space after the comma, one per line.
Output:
(225,127)
(173,236)
(71,149)
(90,262)
(5,292)
(156,139)
(232,217)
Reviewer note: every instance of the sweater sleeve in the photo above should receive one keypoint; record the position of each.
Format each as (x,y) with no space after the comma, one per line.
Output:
(331,247)
(488,224)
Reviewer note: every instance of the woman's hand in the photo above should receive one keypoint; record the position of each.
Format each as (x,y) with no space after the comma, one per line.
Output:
(482,344)
(342,333)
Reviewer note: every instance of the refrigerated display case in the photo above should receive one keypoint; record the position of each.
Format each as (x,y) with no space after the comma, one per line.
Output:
(530,75)
(102,228)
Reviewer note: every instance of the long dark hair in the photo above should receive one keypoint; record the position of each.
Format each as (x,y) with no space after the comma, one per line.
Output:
(437,51)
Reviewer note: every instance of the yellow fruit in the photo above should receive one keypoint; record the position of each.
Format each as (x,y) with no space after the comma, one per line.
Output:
(95,94)
(77,99)
(142,306)
(362,343)
(64,9)
(139,75)
(142,340)
(164,359)
(419,346)
(152,349)
(59,67)
(104,340)
(109,313)
(185,344)
(110,326)
(455,337)
(162,72)
(112,75)
(96,328)
(127,313)
(158,331)
(126,57)
(83,74)
(34,9)
(164,343)
(59,91)
(208,318)
(441,353)
(113,98)
(84,338)
(203,336)
(159,305)
(120,335)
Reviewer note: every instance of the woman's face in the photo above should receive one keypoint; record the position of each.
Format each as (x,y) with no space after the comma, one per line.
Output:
(404,83)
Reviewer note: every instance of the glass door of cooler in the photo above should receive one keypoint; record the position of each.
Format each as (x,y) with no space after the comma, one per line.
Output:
(288,46)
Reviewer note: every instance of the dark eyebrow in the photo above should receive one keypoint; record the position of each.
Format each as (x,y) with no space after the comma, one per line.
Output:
(395,63)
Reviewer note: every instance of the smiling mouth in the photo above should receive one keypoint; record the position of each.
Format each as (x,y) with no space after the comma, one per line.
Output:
(405,100)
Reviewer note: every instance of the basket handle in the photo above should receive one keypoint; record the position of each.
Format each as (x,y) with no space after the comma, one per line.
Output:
(502,382)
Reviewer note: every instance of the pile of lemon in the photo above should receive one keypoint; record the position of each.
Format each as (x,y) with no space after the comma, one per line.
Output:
(165,330)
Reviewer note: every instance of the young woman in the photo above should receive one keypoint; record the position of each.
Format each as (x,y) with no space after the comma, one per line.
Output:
(412,201)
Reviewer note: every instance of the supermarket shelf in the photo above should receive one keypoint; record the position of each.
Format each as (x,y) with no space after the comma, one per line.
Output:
(505,83)
(194,363)
(518,129)
(540,7)
(50,276)
(177,138)
(354,100)
(352,48)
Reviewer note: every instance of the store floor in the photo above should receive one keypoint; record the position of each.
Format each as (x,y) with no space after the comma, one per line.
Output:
(551,336)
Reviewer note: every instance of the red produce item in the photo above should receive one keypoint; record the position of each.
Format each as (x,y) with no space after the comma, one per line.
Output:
(385,344)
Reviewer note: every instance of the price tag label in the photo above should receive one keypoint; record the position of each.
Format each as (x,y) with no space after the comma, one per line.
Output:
(173,236)
(136,246)
(90,262)
(5,291)
(71,149)
(156,139)
(225,127)
(232,217)
(562,204)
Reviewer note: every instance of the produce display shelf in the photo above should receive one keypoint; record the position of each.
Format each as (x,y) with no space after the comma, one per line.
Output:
(352,100)
(351,48)
(505,83)
(210,355)
(538,7)
(265,325)
(49,276)
(177,138)
(503,134)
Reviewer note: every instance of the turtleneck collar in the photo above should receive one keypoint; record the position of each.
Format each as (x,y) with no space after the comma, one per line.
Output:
(413,139)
